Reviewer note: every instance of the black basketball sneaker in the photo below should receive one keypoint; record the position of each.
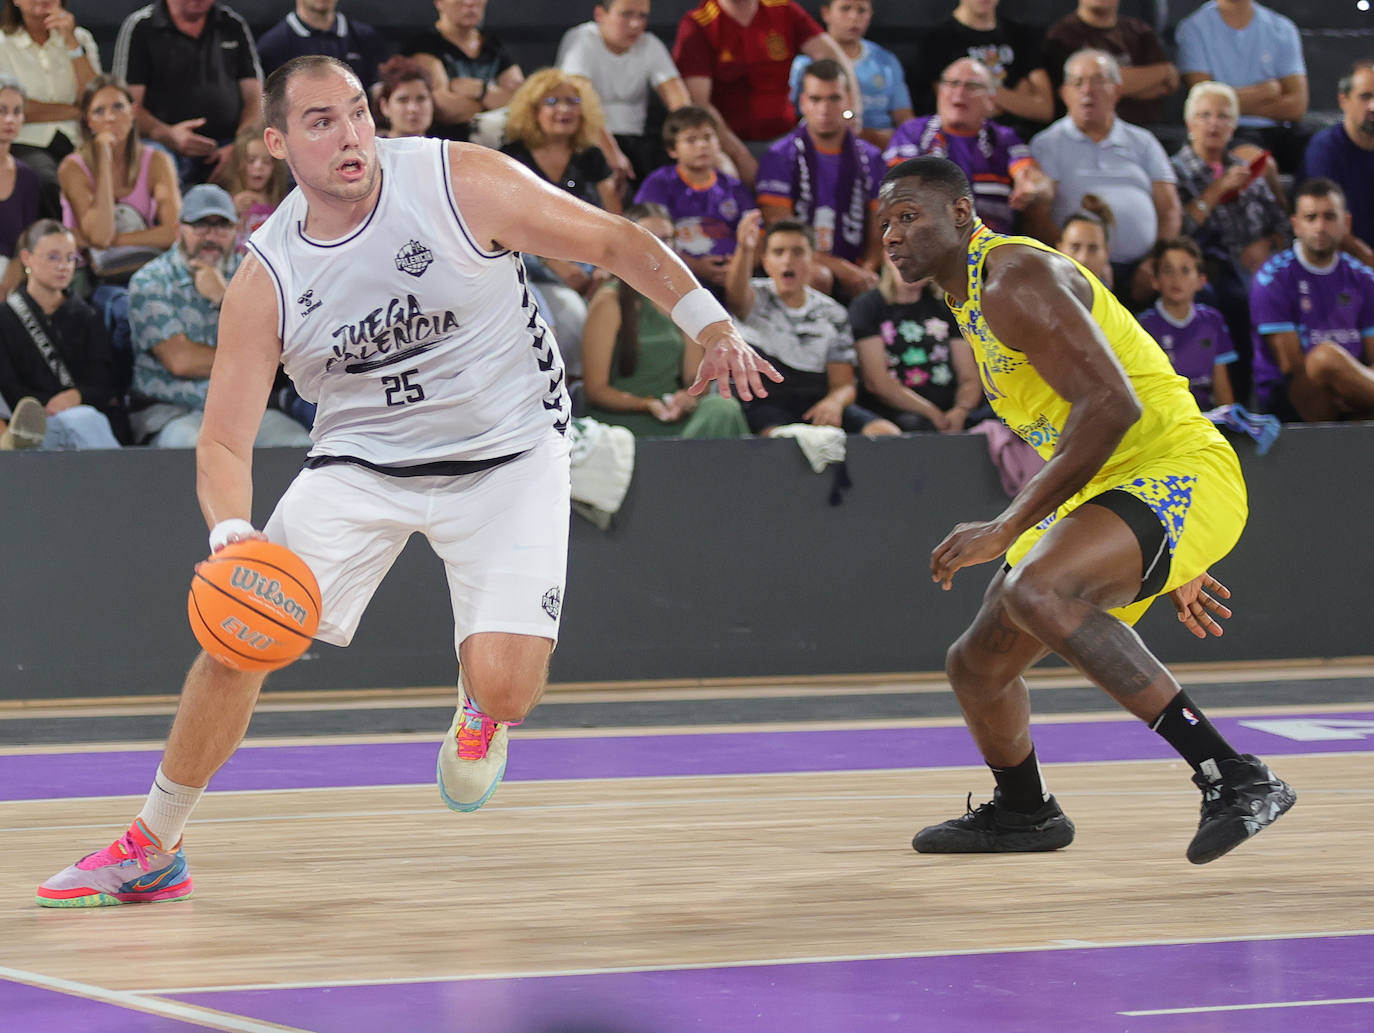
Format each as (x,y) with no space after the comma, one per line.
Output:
(992,829)
(1240,796)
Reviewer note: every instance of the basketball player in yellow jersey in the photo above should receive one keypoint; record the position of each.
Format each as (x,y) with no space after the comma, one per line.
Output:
(1140,495)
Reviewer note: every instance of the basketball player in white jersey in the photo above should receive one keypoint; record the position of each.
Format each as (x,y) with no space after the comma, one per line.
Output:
(390,285)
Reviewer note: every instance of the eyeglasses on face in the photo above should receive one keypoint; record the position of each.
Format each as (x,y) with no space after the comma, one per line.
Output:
(553,102)
(210,225)
(971,85)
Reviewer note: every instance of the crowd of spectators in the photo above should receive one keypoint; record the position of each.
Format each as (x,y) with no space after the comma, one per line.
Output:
(754,140)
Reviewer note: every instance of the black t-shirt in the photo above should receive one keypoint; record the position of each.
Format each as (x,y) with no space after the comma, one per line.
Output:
(491,60)
(188,77)
(917,337)
(585,170)
(77,334)
(1011,50)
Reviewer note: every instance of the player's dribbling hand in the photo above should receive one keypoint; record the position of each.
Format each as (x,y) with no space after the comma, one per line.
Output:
(727,356)
(1198,609)
(966,546)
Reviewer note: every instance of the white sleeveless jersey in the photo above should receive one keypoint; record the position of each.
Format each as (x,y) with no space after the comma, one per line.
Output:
(417,345)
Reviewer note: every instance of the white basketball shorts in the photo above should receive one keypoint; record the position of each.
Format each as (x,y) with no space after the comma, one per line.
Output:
(502,534)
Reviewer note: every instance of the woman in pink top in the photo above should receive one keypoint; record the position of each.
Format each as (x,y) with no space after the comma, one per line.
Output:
(118,194)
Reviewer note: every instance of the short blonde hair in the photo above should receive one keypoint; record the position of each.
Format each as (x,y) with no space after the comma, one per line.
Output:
(522,125)
(1210,88)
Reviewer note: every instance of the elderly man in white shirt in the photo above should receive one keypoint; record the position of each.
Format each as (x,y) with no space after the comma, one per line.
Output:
(1091,151)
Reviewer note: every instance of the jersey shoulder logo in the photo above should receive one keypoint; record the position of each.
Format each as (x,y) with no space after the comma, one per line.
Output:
(552,602)
(414,258)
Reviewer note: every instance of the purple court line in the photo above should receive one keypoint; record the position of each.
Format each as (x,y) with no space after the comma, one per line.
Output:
(34,1007)
(123,773)
(1064,991)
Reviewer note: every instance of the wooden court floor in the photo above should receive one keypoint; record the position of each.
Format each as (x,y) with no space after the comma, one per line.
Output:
(705,877)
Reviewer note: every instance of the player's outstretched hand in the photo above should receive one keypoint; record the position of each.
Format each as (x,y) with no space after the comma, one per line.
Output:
(1198,608)
(966,546)
(727,357)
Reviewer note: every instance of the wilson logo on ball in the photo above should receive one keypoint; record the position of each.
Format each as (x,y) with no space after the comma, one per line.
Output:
(269,591)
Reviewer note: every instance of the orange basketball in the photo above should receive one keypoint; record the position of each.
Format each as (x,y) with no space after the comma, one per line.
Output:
(254,606)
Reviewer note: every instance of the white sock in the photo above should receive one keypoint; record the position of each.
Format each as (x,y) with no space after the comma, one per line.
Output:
(168,808)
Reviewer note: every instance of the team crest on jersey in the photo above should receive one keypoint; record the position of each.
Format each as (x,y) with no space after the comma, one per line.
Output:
(414,258)
(552,603)
(308,303)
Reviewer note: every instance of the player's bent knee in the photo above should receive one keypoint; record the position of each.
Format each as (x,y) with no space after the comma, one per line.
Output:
(503,697)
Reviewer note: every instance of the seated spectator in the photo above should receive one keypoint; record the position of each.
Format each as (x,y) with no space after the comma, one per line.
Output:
(52,59)
(626,65)
(1024,100)
(735,57)
(404,98)
(318,27)
(637,364)
(1345,153)
(27,198)
(915,367)
(1312,308)
(1091,150)
(825,177)
(804,334)
(1006,180)
(55,349)
(704,203)
(174,312)
(882,82)
(192,69)
(1147,74)
(554,124)
(1259,53)
(1194,336)
(469,69)
(256,181)
(1229,207)
(118,193)
(1087,237)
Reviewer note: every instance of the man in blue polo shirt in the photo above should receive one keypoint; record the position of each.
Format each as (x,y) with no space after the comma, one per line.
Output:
(1259,53)
(193,71)
(318,27)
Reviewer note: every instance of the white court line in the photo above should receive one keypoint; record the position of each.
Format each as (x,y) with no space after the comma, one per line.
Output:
(1253,1007)
(136,1001)
(820,960)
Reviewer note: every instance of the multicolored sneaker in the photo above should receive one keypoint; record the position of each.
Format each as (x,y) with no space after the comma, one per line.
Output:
(472,759)
(133,869)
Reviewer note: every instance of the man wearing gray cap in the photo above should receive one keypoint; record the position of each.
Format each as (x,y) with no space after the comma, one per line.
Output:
(174,316)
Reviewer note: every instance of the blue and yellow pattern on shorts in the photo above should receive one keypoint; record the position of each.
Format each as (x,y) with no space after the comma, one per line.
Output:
(1173,459)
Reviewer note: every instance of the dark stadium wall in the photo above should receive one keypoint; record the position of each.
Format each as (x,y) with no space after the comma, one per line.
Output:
(727,560)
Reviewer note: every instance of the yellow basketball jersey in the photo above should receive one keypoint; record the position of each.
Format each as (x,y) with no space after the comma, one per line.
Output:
(1170,423)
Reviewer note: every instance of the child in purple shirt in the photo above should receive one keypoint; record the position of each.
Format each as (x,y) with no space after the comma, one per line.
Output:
(705,203)
(1193,336)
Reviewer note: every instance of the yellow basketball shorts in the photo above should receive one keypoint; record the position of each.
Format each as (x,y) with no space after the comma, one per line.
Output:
(1199,497)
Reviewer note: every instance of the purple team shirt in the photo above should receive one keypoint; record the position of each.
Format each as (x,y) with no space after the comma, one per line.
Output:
(988,159)
(1333,305)
(1195,347)
(778,178)
(705,219)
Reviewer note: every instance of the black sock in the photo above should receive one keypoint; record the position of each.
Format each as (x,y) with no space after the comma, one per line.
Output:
(1021,789)
(1186,729)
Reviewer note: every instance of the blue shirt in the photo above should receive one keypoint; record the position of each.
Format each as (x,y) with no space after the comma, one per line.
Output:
(164,302)
(1268,48)
(1331,153)
(882,84)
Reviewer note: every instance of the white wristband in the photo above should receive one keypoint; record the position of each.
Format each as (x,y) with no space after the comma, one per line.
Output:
(696,310)
(226,529)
